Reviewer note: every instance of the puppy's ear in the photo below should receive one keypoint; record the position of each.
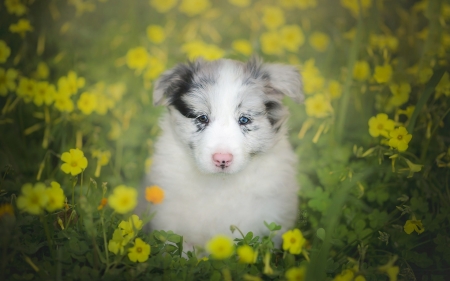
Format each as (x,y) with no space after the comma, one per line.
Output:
(175,82)
(282,79)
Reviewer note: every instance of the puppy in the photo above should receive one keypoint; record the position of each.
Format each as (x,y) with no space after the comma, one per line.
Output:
(223,157)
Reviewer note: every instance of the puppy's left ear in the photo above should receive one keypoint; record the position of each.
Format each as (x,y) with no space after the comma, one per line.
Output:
(284,79)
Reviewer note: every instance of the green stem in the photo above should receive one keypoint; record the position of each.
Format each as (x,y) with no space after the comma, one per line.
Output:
(345,99)
(106,244)
(47,234)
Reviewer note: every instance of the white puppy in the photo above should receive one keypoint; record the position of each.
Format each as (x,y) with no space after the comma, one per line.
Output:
(223,158)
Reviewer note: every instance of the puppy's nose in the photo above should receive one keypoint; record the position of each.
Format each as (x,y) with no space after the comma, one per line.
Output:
(222,159)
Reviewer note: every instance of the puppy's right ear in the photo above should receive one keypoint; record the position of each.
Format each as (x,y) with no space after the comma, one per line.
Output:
(174,83)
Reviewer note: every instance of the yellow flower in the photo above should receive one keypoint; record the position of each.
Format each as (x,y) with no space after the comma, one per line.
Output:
(443,87)
(63,103)
(242,46)
(312,78)
(45,93)
(408,111)
(359,278)
(383,73)
(155,34)
(319,41)
(380,125)
(154,194)
(306,4)
(271,43)
(7,80)
(383,41)
(346,275)
(128,227)
(335,89)
(33,199)
(87,103)
(295,274)
(293,241)
(361,71)
(273,17)
(21,27)
(139,252)
(123,199)
(155,68)
(424,74)
(74,82)
(400,139)
(163,6)
(5,51)
(137,58)
(390,270)
(220,247)
(26,89)
(318,106)
(75,162)
(246,254)
(55,197)
(353,5)
(292,37)
(194,7)
(196,48)
(413,225)
(6,209)
(240,3)
(117,243)
(116,91)
(400,93)
(15,7)
(42,70)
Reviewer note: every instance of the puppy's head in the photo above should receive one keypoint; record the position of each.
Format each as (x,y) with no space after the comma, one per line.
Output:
(225,112)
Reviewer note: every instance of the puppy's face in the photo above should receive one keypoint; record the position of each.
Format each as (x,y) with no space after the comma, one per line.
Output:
(226,112)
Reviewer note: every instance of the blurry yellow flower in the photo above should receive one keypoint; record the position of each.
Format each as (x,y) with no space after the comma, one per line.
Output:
(380,125)
(55,197)
(408,111)
(293,241)
(292,37)
(240,3)
(87,103)
(104,103)
(128,227)
(32,199)
(383,41)
(5,51)
(295,274)
(45,93)
(246,254)
(425,74)
(137,58)
(359,278)
(443,87)
(75,162)
(350,34)
(6,209)
(383,73)
(390,270)
(399,138)
(196,48)
(26,89)
(117,243)
(413,225)
(242,46)
(220,247)
(15,7)
(273,17)
(74,82)
(400,93)
(346,275)
(116,91)
(21,27)
(194,7)
(361,70)
(271,43)
(306,4)
(123,199)
(154,194)
(155,68)
(156,34)
(102,156)
(335,89)
(318,106)
(139,252)
(63,103)
(313,80)
(319,41)
(42,70)
(7,80)
(353,5)
(163,6)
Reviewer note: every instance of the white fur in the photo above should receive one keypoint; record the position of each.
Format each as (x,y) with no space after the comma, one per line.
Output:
(202,200)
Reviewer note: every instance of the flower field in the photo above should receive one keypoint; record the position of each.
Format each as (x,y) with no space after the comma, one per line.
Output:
(77,128)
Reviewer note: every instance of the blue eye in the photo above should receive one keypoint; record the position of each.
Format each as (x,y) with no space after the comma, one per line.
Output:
(244,120)
(203,119)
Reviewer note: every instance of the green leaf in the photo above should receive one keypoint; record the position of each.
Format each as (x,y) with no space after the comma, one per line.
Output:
(321,233)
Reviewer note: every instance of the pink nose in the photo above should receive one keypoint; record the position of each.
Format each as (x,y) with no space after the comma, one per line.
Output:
(222,159)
